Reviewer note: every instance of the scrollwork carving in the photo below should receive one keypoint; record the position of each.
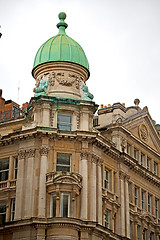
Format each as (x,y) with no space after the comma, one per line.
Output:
(31,153)
(22,154)
(43,151)
(84,155)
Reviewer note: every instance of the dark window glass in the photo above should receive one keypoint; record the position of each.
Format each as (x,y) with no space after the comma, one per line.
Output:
(2,212)
(64,204)
(64,122)
(63,162)
(4,169)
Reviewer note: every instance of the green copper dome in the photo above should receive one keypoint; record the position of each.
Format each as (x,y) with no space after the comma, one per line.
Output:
(61,48)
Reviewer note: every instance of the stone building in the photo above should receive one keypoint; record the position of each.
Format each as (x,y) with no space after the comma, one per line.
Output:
(67,174)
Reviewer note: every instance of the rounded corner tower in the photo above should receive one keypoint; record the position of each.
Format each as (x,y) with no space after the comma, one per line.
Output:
(60,66)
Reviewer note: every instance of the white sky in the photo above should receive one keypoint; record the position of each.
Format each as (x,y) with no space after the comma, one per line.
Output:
(121,39)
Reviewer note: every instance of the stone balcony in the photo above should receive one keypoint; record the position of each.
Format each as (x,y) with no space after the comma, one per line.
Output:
(8,184)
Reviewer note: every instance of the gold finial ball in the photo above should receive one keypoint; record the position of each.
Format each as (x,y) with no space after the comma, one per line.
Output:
(62,15)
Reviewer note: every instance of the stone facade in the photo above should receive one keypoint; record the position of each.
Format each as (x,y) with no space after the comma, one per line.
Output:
(61,177)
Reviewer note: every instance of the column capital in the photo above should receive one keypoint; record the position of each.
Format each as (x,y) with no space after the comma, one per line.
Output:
(31,153)
(84,155)
(123,176)
(22,154)
(44,151)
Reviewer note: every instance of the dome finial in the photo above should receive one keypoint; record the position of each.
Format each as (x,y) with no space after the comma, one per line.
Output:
(62,25)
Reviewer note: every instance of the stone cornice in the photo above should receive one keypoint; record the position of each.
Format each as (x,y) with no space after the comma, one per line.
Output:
(77,224)
(140,170)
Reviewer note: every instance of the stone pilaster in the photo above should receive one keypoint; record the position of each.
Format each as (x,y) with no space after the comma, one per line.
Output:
(127,207)
(121,175)
(84,191)
(99,191)
(28,207)
(42,182)
(20,186)
(92,189)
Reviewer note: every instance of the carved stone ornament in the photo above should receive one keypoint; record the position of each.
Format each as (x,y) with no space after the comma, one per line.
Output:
(51,117)
(143,132)
(22,154)
(67,79)
(52,76)
(31,153)
(43,151)
(78,120)
(84,155)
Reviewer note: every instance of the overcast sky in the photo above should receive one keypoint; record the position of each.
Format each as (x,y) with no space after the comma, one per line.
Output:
(121,39)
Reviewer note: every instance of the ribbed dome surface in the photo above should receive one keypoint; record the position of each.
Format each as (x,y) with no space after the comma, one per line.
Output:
(61,48)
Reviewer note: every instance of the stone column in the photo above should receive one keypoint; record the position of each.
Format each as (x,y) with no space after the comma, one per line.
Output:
(42,182)
(84,191)
(99,191)
(127,207)
(11,167)
(20,186)
(122,222)
(29,184)
(92,189)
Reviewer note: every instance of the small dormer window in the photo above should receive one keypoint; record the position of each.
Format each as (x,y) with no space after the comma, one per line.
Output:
(64,122)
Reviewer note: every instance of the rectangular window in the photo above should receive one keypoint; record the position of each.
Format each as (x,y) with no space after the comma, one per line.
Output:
(4,169)
(106,178)
(138,232)
(53,205)
(64,207)
(63,162)
(15,167)
(142,159)
(107,219)
(143,199)
(12,209)
(136,196)
(149,203)
(151,236)
(155,168)
(64,122)
(156,208)
(135,154)
(2,212)
(128,149)
(148,163)
(144,234)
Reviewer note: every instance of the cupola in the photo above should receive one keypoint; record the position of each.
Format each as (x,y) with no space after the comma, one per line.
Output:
(60,66)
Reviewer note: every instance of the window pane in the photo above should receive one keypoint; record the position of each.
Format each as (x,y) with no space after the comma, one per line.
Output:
(64,204)
(2,212)
(53,214)
(4,169)
(64,122)
(63,162)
